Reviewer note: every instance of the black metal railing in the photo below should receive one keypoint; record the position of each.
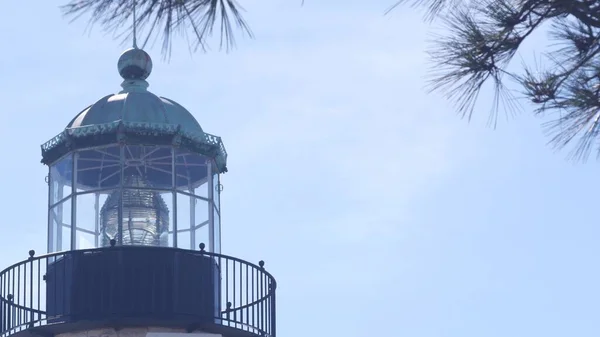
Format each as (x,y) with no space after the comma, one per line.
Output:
(62,288)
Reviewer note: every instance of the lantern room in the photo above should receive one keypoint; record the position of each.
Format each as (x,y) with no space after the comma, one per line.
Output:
(134,169)
(134,230)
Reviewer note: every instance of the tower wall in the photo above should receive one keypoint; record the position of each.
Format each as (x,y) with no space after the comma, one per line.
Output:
(142,283)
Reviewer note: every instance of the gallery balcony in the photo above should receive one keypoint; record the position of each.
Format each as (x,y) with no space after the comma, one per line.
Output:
(137,286)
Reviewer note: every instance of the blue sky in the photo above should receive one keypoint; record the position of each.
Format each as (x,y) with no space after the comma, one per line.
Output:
(379,211)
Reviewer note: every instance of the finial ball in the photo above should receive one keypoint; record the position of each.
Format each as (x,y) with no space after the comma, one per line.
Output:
(135,64)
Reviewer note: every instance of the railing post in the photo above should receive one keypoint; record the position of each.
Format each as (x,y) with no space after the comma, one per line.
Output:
(9,324)
(228,310)
(261,304)
(31,314)
(272,289)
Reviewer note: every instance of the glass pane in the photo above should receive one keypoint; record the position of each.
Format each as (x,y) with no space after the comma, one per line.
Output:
(98,168)
(217,231)
(148,166)
(185,217)
(169,240)
(66,225)
(202,189)
(109,219)
(98,214)
(184,239)
(53,230)
(60,179)
(201,236)
(201,223)
(217,190)
(88,216)
(60,235)
(85,217)
(201,213)
(166,239)
(85,240)
(191,172)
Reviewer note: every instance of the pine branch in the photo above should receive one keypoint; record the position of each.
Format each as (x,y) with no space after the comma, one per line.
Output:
(483,36)
(479,44)
(166,18)
(433,7)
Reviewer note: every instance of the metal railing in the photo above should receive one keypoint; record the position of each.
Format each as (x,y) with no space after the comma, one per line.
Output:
(245,292)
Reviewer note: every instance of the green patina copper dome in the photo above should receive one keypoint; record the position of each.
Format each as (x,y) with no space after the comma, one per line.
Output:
(136,107)
(135,115)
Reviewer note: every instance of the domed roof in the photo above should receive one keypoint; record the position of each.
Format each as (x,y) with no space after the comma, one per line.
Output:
(135,115)
(136,107)
(135,103)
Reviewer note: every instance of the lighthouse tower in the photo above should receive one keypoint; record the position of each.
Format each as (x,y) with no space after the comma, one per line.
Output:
(134,244)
